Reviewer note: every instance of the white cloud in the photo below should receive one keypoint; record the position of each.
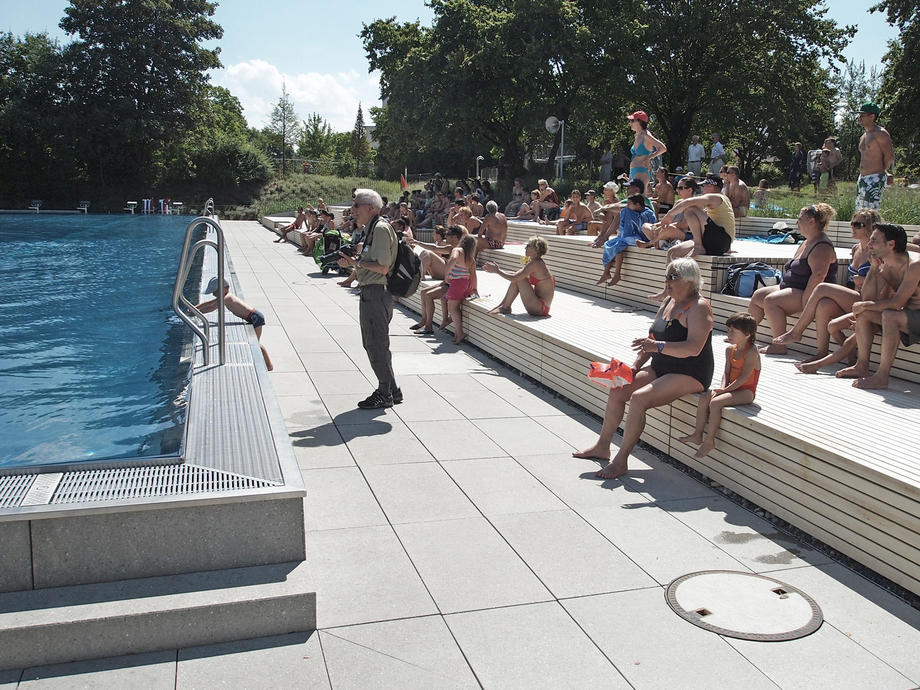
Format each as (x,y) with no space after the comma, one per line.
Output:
(335,97)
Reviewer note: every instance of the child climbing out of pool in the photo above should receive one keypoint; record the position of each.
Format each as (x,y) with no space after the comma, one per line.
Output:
(237,307)
(739,382)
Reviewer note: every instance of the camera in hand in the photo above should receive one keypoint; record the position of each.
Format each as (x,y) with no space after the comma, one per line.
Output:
(333,256)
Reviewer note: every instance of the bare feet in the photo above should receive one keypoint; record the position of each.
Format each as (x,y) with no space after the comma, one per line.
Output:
(773,349)
(854,372)
(345,283)
(593,453)
(693,439)
(644,245)
(705,449)
(424,331)
(613,281)
(416,326)
(814,358)
(605,276)
(611,470)
(878,381)
(808,367)
(787,337)
(443,326)
(500,309)
(459,337)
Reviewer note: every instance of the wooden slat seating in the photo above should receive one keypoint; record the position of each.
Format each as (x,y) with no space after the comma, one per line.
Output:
(838,231)
(577,266)
(808,450)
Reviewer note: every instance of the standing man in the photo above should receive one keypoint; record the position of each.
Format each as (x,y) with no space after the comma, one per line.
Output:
(695,155)
(876,154)
(717,157)
(376,306)
(834,158)
(606,164)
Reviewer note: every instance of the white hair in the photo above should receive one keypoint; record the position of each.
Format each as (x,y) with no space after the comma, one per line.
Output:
(369,197)
(688,270)
(491,206)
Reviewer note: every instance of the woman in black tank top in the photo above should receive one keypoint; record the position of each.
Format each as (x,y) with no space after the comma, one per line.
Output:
(674,361)
(815,261)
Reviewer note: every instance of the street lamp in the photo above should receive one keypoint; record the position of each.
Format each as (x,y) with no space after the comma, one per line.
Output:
(478,158)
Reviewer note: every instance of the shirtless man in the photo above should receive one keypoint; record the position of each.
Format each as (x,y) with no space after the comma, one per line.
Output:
(576,217)
(876,156)
(897,317)
(737,191)
(591,202)
(476,206)
(494,229)
(834,158)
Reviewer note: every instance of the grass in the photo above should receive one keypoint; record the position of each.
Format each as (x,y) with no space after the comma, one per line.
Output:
(298,189)
(899,204)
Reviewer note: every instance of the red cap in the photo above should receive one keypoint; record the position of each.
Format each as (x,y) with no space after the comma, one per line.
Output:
(640,115)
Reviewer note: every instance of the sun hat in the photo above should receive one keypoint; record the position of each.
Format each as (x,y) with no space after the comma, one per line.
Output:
(212,285)
(612,185)
(640,115)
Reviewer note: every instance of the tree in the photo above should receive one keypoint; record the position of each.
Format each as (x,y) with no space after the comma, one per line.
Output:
(136,70)
(316,138)
(285,126)
(358,145)
(900,89)
(854,87)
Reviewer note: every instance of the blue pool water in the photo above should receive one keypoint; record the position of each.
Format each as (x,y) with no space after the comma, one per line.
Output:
(90,348)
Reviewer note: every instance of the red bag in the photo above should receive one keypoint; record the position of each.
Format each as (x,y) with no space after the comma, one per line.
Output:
(616,374)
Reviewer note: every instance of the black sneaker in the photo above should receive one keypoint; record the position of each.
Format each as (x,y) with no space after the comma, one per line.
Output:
(375,401)
(397,396)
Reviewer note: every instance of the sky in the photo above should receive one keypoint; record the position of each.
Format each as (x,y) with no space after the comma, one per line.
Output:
(314,48)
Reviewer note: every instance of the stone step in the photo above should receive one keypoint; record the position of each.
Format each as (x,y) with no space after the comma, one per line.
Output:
(62,624)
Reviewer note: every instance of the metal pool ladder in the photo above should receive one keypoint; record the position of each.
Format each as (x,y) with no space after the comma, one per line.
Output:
(202,331)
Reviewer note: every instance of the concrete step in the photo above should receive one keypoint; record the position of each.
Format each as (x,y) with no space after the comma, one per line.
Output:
(62,624)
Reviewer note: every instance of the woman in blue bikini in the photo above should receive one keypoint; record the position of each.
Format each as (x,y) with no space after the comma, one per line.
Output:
(641,153)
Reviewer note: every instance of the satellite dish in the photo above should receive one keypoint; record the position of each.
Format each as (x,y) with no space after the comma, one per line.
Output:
(552,124)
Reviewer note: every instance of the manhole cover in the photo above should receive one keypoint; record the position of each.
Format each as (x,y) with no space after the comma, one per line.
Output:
(744,605)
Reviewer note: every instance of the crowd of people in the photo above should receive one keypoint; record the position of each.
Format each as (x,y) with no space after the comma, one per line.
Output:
(686,214)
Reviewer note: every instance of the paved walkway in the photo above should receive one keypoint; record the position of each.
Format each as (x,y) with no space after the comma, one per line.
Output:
(455,543)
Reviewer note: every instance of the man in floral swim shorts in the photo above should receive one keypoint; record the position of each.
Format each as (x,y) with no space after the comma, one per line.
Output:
(876,156)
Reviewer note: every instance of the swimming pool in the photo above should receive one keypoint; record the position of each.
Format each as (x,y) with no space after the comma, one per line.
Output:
(94,364)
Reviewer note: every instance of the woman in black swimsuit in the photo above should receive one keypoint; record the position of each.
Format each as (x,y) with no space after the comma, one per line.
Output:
(680,349)
(815,262)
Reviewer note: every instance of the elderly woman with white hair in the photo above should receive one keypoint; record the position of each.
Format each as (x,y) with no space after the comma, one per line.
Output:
(673,361)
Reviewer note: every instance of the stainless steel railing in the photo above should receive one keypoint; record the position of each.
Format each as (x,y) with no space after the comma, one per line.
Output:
(202,331)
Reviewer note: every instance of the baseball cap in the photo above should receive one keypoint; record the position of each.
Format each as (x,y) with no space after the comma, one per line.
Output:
(612,185)
(714,180)
(640,115)
(636,182)
(212,285)
(592,192)
(869,108)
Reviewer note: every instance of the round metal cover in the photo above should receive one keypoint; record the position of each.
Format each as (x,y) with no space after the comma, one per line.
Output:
(744,605)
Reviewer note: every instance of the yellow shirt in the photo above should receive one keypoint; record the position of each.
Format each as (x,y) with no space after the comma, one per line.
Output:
(381,248)
(722,215)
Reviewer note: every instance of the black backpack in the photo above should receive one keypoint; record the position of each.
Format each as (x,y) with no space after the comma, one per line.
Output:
(406,274)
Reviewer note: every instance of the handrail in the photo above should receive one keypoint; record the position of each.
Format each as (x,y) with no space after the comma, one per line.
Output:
(185,265)
(209,207)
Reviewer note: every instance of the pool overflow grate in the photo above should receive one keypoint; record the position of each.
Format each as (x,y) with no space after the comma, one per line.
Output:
(121,484)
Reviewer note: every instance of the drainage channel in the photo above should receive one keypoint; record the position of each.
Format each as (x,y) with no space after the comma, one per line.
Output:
(744,605)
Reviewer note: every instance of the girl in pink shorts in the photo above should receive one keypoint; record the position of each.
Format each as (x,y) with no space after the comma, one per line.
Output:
(461,275)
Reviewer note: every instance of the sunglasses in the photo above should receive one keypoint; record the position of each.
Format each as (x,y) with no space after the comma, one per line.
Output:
(857,224)
(682,186)
(673,276)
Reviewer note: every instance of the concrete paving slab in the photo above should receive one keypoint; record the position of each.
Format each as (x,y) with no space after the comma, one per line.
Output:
(303,412)
(525,396)
(579,430)
(568,555)
(334,360)
(154,670)
(342,382)
(418,492)
(657,542)
(660,481)
(533,646)
(448,359)
(410,653)
(750,539)
(479,403)
(573,481)
(387,441)
(295,383)
(424,405)
(9,679)
(655,648)
(879,622)
(522,436)
(501,486)
(825,659)
(311,455)
(363,575)
(459,439)
(339,497)
(452,382)
(405,342)
(466,565)
(316,348)
(284,661)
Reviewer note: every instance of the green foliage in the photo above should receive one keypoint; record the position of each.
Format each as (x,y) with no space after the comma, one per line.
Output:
(316,139)
(899,204)
(284,127)
(358,145)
